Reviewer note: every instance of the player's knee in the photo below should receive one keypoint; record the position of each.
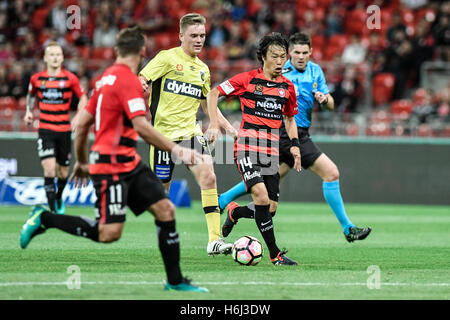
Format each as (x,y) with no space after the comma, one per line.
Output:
(111,234)
(208,179)
(332,174)
(164,210)
(260,196)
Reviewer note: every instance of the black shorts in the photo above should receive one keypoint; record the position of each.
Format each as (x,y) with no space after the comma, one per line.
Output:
(136,190)
(53,144)
(252,172)
(308,149)
(162,163)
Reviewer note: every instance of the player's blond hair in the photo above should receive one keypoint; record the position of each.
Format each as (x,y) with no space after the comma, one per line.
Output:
(191,19)
(52,44)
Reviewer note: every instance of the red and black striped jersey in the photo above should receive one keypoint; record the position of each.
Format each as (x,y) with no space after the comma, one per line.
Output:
(263,104)
(117,98)
(54,94)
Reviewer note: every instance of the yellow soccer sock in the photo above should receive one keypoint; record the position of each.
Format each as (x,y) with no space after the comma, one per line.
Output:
(210,203)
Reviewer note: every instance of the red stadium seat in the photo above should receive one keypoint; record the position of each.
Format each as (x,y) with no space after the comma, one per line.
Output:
(7,111)
(39,17)
(356,22)
(103,53)
(7,103)
(317,54)
(401,108)
(317,41)
(21,104)
(382,88)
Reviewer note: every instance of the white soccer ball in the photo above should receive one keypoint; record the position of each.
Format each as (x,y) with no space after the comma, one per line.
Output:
(247,251)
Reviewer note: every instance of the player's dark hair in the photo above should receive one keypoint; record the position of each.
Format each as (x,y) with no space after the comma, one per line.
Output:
(300,38)
(276,39)
(130,41)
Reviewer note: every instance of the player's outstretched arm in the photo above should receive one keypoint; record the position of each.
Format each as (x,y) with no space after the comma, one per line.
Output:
(28,118)
(216,118)
(81,105)
(154,137)
(291,129)
(80,174)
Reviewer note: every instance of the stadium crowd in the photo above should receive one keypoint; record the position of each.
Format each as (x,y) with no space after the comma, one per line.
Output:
(376,72)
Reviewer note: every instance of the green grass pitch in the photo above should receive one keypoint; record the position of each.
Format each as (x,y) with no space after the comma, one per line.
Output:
(407,256)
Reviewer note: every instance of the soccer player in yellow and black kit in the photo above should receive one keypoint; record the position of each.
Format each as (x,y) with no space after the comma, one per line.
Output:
(179,83)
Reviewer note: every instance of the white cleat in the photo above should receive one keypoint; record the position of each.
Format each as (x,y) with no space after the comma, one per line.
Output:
(218,246)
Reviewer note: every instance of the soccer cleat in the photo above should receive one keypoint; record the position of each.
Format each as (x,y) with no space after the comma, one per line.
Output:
(218,246)
(32,227)
(356,233)
(282,260)
(185,285)
(229,221)
(60,207)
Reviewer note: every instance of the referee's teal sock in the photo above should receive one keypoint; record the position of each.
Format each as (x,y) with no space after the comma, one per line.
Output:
(235,192)
(332,194)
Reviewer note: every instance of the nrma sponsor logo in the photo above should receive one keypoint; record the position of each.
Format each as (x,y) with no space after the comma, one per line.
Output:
(183,88)
(269,105)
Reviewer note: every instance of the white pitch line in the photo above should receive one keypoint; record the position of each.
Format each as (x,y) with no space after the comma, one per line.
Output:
(306,284)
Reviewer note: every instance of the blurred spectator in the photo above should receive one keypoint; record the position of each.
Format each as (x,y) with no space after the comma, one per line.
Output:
(4,86)
(354,52)
(218,34)
(397,30)
(18,81)
(334,20)
(6,52)
(348,92)
(310,25)
(374,48)
(6,30)
(57,17)
(18,15)
(398,61)
(285,21)
(154,16)
(238,10)
(105,34)
(125,13)
(235,45)
(29,47)
(423,47)
(423,108)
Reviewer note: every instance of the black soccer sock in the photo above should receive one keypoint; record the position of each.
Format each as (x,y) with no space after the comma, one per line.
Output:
(49,186)
(77,226)
(169,245)
(247,212)
(243,212)
(265,225)
(61,183)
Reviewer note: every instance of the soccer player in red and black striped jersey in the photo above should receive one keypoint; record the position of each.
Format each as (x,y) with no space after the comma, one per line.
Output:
(54,88)
(117,110)
(266,96)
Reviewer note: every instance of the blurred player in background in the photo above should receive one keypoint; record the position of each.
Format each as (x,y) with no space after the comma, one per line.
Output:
(117,110)
(53,89)
(266,96)
(310,84)
(179,83)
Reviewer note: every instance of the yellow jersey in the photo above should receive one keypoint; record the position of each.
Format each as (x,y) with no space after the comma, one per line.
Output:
(179,83)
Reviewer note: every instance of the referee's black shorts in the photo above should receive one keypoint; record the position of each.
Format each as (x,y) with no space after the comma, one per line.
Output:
(308,149)
(136,190)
